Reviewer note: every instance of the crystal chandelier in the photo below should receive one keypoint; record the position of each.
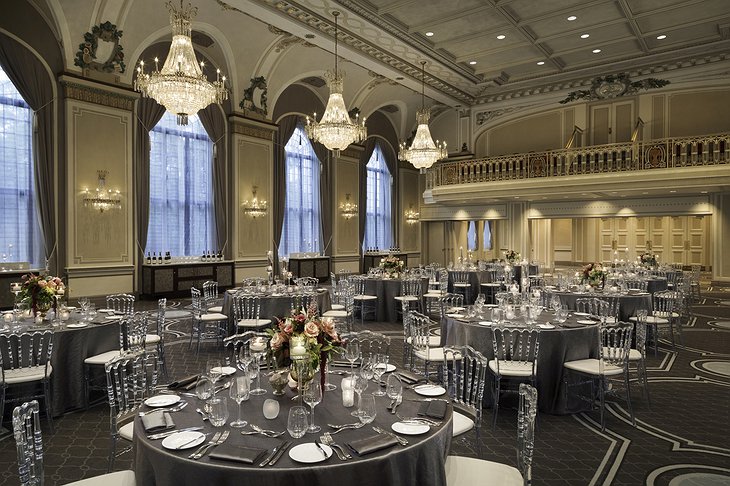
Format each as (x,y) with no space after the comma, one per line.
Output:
(335,130)
(103,199)
(423,153)
(181,87)
(255,207)
(348,209)
(412,216)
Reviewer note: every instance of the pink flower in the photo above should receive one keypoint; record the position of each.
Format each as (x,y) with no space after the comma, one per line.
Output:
(288,327)
(277,341)
(42,283)
(311,329)
(328,326)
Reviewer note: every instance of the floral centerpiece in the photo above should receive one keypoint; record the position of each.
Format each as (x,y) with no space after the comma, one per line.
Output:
(40,292)
(391,265)
(594,274)
(511,256)
(305,334)
(648,259)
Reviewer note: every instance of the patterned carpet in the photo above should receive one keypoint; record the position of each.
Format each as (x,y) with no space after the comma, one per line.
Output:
(681,440)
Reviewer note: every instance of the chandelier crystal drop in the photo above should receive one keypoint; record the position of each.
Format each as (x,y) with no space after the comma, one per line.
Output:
(423,152)
(181,87)
(336,130)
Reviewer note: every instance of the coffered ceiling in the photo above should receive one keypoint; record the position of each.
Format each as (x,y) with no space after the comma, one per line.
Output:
(480,50)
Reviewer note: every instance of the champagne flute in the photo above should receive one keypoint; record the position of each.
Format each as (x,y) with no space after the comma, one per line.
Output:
(312,397)
(352,353)
(368,410)
(239,392)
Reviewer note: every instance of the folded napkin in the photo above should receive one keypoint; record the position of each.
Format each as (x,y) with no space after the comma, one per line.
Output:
(235,453)
(434,409)
(409,377)
(187,383)
(372,444)
(156,421)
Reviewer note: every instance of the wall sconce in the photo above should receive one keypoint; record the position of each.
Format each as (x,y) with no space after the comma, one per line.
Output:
(255,207)
(412,216)
(347,208)
(103,199)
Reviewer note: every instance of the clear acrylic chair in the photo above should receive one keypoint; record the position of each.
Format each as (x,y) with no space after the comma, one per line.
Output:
(303,300)
(156,342)
(419,341)
(461,284)
(247,312)
(695,287)
(465,375)
(29,446)
(461,471)
(210,294)
(210,326)
(596,308)
(362,300)
(637,355)
(411,292)
(306,284)
(516,351)
(371,343)
(613,346)
(25,358)
(120,303)
(344,318)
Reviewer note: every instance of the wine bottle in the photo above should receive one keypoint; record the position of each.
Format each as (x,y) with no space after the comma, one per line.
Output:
(148,260)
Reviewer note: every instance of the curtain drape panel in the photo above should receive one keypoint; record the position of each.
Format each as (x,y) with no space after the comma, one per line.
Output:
(215,124)
(325,194)
(33,82)
(362,196)
(149,112)
(287,125)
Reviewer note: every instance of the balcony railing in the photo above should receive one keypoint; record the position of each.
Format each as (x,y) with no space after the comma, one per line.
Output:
(598,159)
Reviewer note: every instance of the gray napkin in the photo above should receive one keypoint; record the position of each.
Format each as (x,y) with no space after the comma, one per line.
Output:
(246,455)
(372,444)
(409,377)
(434,409)
(156,421)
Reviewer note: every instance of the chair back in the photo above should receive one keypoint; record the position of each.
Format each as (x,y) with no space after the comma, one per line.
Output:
(518,346)
(615,345)
(238,346)
(465,378)
(197,302)
(129,380)
(210,291)
(419,330)
(359,282)
(306,284)
(526,416)
(448,302)
(460,277)
(161,309)
(637,283)
(121,303)
(443,281)
(306,301)
(593,306)
(28,443)
(27,350)
(641,315)
(371,343)
(411,286)
(246,306)
(614,305)
(664,303)
(133,332)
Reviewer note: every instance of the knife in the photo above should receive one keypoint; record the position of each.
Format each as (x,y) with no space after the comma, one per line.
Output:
(279,454)
(272,454)
(162,435)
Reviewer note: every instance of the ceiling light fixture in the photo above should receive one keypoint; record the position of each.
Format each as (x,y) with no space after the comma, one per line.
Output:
(472,62)
(181,87)
(501,36)
(661,37)
(572,18)
(429,34)
(335,130)
(423,153)
(585,36)
(540,63)
(596,51)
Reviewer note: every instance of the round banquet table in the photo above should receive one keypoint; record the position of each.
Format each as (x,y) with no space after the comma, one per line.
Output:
(386,289)
(628,303)
(476,278)
(569,342)
(656,284)
(419,463)
(272,306)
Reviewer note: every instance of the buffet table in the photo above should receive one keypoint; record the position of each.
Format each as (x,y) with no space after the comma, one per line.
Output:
(176,279)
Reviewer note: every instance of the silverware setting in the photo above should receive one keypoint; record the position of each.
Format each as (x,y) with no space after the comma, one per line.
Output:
(340,428)
(259,430)
(162,435)
(202,414)
(200,449)
(175,408)
(419,420)
(321,449)
(341,452)
(402,441)
(276,453)
(222,437)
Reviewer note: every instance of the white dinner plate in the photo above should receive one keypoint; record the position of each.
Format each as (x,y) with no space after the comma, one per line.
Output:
(226,370)
(581,314)
(491,306)
(586,322)
(183,440)
(113,317)
(455,316)
(388,368)
(410,429)
(485,323)
(162,400)
(76,325)
(430,390)
(309,453)
(456,309)
(546,326)
(105,310)
(70,308)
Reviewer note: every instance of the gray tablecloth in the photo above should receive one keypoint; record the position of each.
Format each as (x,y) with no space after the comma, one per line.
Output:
(628,304)
(475,279)
(556,347)
(656,284)
(386,290)
(271,307)
(420,463)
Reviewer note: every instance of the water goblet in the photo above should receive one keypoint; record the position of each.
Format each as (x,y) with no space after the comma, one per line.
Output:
(239,392)
(368,410)
(381,364)
(297,422)
(218,415)
(361,384)
(312,397)
(215,371)
(352,353)
(394,387)
(90,312)
(258,346)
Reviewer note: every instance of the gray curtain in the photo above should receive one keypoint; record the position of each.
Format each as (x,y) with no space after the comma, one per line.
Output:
(325,194)
(33,83)
(215,124)
(287,125)
(149,113)
(362,199)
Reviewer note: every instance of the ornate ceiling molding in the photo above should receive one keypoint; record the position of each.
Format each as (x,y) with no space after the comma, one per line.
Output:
(483,117)
(379,79)
(288,40)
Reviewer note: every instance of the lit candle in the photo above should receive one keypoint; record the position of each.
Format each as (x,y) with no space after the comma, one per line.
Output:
(271,409)
(8,317)
(258,345)
(348,392)
(297,347)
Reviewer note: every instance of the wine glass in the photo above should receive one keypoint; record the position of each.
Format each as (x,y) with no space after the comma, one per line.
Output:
(312,397)
(218,415)
(381,365)
(204,390)
(394,387)
(258,347)
(361,384)
(215,371)
(252,372)
(239,392)
(367,409)
(352,353)
(90,312)
(297,422)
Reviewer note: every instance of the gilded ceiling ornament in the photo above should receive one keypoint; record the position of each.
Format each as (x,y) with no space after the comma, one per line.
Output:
(88,53)
(613,86)
(255,96)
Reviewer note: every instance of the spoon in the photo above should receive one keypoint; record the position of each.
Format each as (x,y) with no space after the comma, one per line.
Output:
(202,414)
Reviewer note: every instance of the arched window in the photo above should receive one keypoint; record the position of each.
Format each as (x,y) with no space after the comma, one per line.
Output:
(20,239)
(181,188)
(487,236)
(378,226)
(302,227)
(471,236)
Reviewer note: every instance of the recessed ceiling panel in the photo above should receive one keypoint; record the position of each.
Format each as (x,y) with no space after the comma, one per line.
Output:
(428,13)
(612,52)
(598,36)
(530,9)
(588,17)
(706,12)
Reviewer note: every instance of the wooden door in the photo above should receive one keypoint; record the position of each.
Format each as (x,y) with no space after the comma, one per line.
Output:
(612,122)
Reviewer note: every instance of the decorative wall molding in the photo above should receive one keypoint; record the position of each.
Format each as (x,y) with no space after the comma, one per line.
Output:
(252,128)
(676,206)
(86,57)
(464,213)
(111,97)
(483,117)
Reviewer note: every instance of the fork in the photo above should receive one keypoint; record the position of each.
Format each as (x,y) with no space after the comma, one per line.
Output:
(268,433)
(212,441)
(209,446)
(327,439)
(176,408)
(340,428)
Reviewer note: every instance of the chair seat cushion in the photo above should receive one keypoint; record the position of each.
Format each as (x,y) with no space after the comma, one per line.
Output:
(216,309)
(491,284)
(127,431)
(337,307)
(25,375)
(468,470)
(651,320)
(462,424)
(665,315)
(432,340)
(592,367)
(365,297)
(152,339)
(634,354)
(406,297)
(213,316)
(433,295)
(119,478)
(512,368)
(102,359)
(459,284)
(430,354)
(335,313)
(253,322)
